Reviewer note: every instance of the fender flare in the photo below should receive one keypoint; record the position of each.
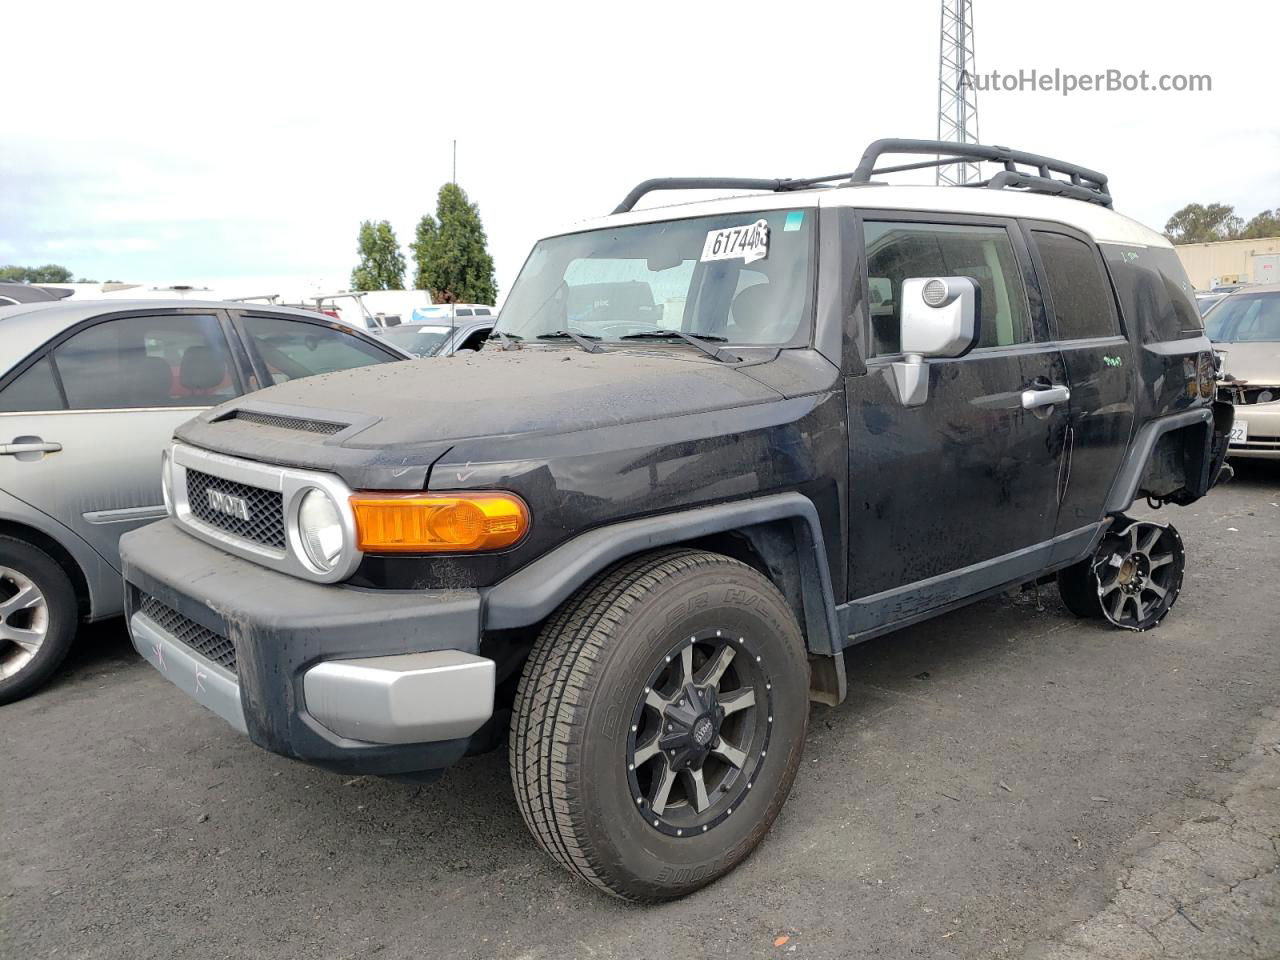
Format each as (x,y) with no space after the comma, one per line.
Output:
(535,590)
(1125,488)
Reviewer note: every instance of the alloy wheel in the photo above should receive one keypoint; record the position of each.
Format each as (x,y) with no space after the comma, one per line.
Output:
(1139,574)
(24,621)
(699,733)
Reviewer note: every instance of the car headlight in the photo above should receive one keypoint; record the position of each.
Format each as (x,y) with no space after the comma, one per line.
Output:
(320,529)
(166,481)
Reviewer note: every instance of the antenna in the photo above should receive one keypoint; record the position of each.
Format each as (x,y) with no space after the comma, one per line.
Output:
(957,100)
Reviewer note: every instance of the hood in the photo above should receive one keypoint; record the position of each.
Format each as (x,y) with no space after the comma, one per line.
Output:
(1255,362)
(395,416)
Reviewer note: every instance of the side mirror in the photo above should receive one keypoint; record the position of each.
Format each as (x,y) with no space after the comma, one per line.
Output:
(939,319)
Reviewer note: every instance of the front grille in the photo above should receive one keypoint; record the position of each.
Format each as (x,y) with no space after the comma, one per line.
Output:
(210,645)
(291,423)
(265,508)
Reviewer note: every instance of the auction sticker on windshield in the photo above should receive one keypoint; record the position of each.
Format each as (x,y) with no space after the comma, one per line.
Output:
(749,242)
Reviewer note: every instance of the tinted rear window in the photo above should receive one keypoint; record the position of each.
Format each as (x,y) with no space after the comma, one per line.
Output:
(1081,295)
(1155,293)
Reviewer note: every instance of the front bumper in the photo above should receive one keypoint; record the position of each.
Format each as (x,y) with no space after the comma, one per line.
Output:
(361,681)
(1264,431)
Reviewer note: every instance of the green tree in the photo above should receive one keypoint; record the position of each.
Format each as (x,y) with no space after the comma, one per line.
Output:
(451,252)
(49,273)
(1197,223)
(1265,224)
(381,265)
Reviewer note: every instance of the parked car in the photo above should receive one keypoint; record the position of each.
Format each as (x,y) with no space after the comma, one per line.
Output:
(373,310)
(718,443)
(90,393)
(1206,300)
(440,340)
(453,312)
(13,293)
(1246,326)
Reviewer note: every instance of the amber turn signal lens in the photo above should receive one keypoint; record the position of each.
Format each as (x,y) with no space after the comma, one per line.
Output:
(438,522)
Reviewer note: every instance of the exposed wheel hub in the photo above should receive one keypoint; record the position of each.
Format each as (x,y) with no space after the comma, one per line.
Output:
(1133,573)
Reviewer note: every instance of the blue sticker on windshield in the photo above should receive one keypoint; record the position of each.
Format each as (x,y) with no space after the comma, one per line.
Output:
(794,220)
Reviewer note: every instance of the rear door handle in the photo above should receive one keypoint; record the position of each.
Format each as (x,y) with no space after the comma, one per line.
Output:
(13,449)
(1045,397)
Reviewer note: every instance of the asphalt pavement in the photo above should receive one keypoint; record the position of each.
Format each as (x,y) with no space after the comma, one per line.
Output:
(1004,781)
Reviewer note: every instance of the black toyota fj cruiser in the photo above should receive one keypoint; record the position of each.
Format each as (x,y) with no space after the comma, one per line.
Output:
(708,447)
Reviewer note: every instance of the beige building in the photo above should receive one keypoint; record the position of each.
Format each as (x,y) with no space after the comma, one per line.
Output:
(1231,261)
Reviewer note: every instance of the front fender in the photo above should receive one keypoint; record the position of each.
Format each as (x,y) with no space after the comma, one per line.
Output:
(531,593)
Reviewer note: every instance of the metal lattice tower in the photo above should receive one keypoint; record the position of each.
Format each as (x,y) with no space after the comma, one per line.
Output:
(957,100)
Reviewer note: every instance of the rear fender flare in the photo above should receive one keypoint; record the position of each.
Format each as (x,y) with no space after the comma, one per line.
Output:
(1128,481)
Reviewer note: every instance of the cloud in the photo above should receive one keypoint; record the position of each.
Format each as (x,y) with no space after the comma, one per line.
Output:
(251,140)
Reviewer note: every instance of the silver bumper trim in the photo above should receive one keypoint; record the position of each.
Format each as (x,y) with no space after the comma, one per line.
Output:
(209,684)
(408,698)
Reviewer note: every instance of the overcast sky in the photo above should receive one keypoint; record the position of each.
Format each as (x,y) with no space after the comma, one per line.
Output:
(240,144)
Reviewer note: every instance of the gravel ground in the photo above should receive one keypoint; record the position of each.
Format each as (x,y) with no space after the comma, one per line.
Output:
(1005,781)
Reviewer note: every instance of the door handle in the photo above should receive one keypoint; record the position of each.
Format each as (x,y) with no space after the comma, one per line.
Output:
(13,449)
(1045,397)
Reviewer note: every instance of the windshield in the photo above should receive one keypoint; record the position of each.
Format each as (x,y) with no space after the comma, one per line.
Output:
(743,277)
(1245,317)
(1205,301)
(418,340)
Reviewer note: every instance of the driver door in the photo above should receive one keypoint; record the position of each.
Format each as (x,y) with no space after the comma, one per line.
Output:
(960,494)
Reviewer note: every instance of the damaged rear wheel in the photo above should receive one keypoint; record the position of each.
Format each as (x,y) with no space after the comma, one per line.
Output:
(1132,579)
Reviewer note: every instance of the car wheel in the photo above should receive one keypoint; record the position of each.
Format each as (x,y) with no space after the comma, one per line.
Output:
(1133,578)
(38,617)
(659,723)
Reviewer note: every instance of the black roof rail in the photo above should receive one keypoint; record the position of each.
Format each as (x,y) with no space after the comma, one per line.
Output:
(1083,183)
(721,183)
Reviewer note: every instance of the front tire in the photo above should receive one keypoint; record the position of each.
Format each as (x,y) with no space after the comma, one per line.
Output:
(659,723)
(38,617)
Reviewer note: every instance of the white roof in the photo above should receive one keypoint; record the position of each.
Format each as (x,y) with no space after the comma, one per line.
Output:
(1101,223)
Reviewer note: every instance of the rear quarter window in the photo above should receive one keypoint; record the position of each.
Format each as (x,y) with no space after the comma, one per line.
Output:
(1155,294)
(33,389)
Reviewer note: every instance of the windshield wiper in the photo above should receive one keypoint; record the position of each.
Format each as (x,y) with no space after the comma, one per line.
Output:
(581,339)
(703,343)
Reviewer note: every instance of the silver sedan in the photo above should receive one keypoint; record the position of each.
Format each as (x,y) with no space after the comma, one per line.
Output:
(90,392)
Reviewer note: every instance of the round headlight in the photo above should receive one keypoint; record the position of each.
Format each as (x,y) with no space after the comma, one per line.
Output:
(320,529)
(166,482)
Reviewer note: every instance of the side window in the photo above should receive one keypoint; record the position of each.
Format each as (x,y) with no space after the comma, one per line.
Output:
(476,340)
(291,349)
(483,312)
(169,360)
(899,251)
(463,312)
(1082,303)
(1154,292)
(34,389)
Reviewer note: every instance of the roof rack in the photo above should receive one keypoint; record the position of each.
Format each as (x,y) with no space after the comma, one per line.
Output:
(1083,183)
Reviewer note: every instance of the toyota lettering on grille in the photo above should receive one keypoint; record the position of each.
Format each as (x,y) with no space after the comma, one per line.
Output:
(225,503)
